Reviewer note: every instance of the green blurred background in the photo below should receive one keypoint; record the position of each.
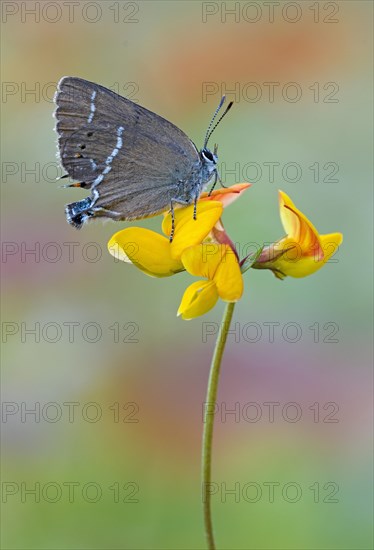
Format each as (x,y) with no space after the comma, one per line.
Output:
(116,380)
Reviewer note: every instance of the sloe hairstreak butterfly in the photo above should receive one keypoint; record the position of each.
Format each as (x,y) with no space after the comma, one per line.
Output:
(135,163)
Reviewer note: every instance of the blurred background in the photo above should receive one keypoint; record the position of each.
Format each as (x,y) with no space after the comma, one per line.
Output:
(102,386)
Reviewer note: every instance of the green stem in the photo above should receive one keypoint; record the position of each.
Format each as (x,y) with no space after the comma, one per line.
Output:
(210,406)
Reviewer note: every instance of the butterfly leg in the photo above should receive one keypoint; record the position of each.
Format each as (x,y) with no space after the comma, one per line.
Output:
(216,178)
(172,221)
(220,181)
(183,203)
(214,184)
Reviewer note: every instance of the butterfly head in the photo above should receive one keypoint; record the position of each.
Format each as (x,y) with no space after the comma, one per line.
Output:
(209,159)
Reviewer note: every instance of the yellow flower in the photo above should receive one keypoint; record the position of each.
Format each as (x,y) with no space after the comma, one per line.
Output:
(155,254)
(219,264)
(200,246)
(302,251)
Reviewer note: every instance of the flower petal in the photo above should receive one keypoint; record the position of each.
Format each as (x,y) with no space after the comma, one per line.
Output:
(146,249)
(217,262)
(303,251)
(330,244)
(219,235)
(225,195)
(198,299)
(286,257)
(189,232)
(228,277)
(299,228)
(202,260)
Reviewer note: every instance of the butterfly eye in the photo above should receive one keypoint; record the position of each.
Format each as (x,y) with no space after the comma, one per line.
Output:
(208,155)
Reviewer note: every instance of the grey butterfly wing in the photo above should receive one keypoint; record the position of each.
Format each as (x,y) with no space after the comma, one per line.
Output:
(133,160)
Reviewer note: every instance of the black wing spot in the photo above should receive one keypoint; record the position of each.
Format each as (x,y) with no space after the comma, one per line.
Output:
(82,146)
(89,134)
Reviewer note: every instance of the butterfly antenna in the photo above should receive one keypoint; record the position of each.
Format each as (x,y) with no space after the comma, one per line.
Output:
(218,121)
(223,99)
